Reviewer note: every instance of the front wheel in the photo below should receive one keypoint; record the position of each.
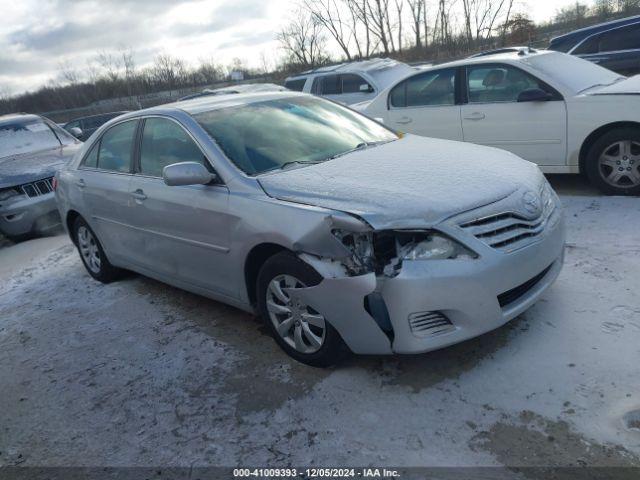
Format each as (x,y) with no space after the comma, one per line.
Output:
(92,254)
(613,162)
(304,333)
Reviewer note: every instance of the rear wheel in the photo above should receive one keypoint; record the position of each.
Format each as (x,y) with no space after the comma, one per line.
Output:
(613,162)
(92,254)
(304,333)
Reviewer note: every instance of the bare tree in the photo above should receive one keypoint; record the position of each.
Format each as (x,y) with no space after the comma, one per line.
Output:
(110,64)
(327,13)
(378,11)
(67,73)
(303,41)
(415,8)
(399,7)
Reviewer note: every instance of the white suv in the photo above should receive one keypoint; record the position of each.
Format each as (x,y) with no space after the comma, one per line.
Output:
(350,83)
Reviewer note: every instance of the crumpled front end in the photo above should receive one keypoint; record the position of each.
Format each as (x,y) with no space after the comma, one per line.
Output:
(412,291)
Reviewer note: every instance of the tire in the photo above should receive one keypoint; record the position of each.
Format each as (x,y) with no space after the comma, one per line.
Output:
(287,270)
(92,254)
(613,162)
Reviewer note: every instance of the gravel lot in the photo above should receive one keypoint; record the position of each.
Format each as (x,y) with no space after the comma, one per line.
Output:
(140,373)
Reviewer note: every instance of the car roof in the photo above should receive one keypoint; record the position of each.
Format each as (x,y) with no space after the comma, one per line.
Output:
(374,64)
(215,102)
(509,57)
(582,33)
(13,117)
(115,114)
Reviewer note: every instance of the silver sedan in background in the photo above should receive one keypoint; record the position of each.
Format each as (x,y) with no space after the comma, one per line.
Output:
(342,234)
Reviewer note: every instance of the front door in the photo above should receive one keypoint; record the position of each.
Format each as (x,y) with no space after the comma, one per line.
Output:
(184,231)
(493,116)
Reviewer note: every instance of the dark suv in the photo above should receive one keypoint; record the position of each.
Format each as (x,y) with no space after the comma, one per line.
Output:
(82,128)
(614,45)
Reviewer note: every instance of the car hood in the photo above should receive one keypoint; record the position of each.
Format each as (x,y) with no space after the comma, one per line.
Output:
(409,183)
(33,166)
(628,86)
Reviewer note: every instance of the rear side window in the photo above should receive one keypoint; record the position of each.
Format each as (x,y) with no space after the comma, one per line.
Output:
(116,147)
(296,85)
(426,89)
(164,142)
(625,38)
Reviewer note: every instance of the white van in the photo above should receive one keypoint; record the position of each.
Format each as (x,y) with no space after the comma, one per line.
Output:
(350,83)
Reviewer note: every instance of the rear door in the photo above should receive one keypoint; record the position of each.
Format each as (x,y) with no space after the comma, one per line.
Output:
(183,231)
(426,104)
(535,131)
(104,177)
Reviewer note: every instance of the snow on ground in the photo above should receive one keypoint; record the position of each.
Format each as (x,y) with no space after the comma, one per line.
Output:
(140,373)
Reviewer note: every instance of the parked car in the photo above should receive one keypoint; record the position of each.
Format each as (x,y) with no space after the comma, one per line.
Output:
(83,128)
(341,233)
(559,111)
(233,89)
(31,149)
(614,45)
(352,82)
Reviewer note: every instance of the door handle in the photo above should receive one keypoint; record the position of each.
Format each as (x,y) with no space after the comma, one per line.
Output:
(404,120)
(475,116)
(80,183)
(139,195)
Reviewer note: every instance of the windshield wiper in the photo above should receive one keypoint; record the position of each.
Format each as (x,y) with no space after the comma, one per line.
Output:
(301,162)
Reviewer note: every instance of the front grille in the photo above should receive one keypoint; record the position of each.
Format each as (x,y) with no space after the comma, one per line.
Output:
(429,323)
(514,294)
(509,231)
(40,187)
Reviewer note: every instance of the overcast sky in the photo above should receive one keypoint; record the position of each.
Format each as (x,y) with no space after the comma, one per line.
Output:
(37,36)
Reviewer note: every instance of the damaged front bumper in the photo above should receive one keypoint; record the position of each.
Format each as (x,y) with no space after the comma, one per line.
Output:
(23,215)
(432,304)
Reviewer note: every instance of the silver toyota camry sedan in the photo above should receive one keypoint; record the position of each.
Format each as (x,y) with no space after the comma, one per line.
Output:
(343,235)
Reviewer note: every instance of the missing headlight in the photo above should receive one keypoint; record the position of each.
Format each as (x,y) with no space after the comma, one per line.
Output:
(383,252)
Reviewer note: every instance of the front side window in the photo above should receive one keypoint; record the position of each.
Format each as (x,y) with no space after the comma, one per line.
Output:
(164,142)
(589,46)
(498,83)
(116,147)
(426,89)
(272,134)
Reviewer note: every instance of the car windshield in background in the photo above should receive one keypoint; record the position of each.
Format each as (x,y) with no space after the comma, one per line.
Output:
(24,137)
(268,135)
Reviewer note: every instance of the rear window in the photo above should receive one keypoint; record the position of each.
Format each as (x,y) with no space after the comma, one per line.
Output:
(116,147)
(296,85)
(26,136)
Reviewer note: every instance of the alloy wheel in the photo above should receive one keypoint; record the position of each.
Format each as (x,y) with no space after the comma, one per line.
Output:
(89,249)
(299,325)
(619,164)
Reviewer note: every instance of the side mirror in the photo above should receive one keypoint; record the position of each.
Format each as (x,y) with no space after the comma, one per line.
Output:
(366,88)
(186,173)
(534,95)
(76,132)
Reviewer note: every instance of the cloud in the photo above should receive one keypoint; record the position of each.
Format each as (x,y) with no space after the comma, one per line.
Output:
(41,36)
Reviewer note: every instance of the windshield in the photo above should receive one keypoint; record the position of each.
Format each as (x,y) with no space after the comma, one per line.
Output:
(575,73)
(26,136)
(269,135)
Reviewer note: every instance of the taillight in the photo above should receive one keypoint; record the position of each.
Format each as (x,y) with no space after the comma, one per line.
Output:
(54,184)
